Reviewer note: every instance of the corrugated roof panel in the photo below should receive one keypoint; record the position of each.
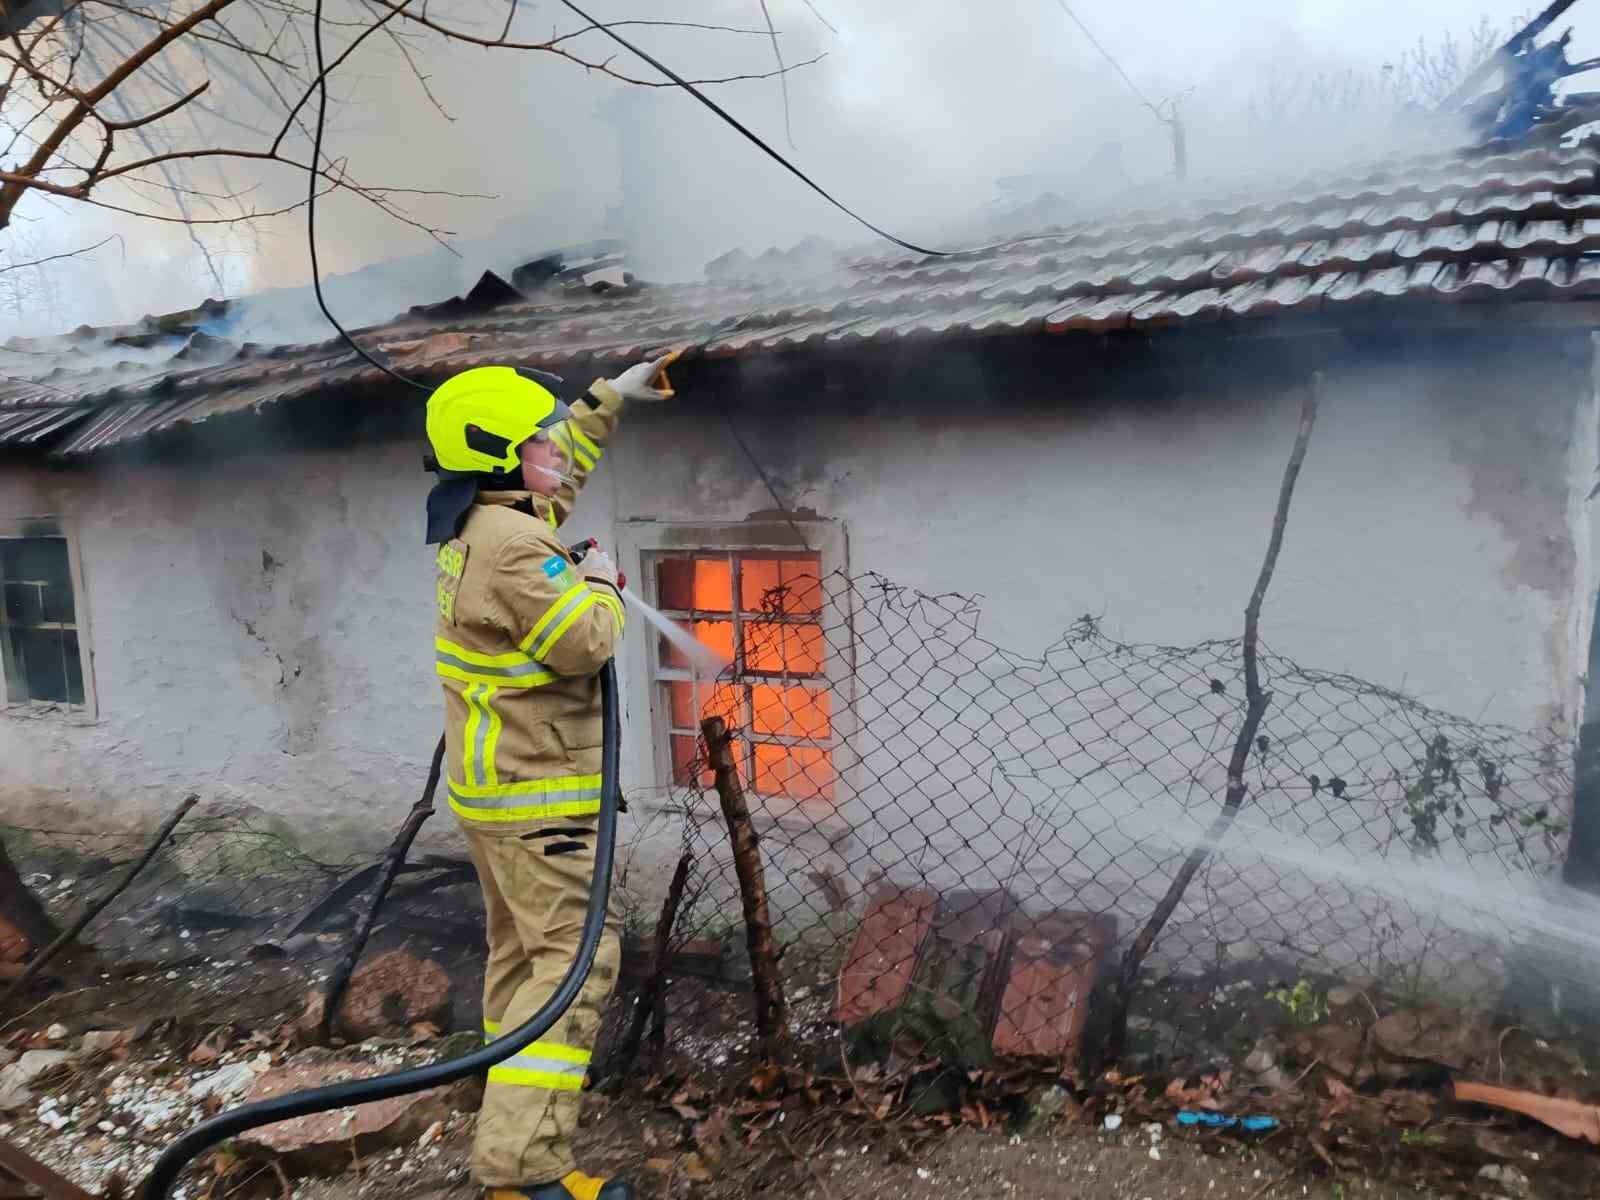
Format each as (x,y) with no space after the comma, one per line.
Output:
(1333,220)
(1574,274)
(1156,271)
(1021,286)
(1255,261)
(1518,221)
(1169,308)
(1109,312)
(1519,235)
(30,426)
(1014,318)
(1366,249)
(1407,212)
(1265,225)
(1298,291)
(793,336)
(1352,285)
(1444,239)
(1498,276)
(877,327)
(1476,205)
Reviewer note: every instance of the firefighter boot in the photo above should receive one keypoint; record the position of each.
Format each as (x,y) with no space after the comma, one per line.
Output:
(574,1185)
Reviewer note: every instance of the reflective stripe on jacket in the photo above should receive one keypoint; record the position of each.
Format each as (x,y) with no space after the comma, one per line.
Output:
(519,637)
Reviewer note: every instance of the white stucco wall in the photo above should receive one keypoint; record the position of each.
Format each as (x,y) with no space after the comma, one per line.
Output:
(260,631)
(1439,543)
(259,624)
(1435,537)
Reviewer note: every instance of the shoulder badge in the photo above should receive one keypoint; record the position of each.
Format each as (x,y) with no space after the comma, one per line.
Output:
(450,565)
(560,572)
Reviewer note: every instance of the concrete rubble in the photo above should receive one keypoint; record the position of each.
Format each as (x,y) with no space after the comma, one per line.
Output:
(392,995)
(16,1080)
(105,1041)
(106,1117)
(326,1141)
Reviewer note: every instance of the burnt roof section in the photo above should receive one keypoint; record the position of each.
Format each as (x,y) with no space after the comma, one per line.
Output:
(1511,222)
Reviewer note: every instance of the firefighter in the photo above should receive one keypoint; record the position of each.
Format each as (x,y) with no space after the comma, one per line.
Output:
(520,635)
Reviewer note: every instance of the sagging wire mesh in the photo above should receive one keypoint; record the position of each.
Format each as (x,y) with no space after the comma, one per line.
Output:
(960,843)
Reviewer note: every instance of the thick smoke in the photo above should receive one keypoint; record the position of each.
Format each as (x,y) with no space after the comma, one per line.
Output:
(931,120)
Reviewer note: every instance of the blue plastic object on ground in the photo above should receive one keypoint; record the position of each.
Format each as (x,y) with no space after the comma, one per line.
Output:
(1215,1120)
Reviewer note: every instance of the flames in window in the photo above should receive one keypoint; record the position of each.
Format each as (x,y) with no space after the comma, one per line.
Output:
(763,614)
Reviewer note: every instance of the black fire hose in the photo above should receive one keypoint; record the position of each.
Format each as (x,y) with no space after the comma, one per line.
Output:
(382,1087)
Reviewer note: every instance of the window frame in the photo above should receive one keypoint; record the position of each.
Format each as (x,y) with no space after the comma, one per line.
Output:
(57,526)
(640,544)
(738,617)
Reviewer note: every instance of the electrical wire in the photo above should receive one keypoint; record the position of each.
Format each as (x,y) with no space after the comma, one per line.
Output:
(1106,54)
(766,479)
(311,209)
(755,140)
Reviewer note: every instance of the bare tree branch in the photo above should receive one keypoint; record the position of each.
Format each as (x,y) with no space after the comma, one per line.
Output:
(39,262)
(552,47)
(157,108)
(167,111)
(557,39)
(12,191)
(820,17)
(783,74)
(422,80)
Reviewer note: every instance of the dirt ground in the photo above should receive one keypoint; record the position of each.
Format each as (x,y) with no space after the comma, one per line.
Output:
(1065,1164)
(1389,1133)
(100,1118)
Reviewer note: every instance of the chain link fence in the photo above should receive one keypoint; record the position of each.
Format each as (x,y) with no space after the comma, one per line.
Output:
(963,872)
(960,845)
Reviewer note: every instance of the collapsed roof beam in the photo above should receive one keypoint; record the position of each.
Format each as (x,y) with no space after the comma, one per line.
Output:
(1475,80)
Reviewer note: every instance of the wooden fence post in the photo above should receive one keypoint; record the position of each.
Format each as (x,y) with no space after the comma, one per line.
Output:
(771,1019)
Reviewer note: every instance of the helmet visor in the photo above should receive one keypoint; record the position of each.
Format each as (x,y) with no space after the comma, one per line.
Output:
(552,456)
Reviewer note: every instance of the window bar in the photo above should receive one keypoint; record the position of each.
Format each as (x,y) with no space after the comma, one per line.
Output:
(741,689)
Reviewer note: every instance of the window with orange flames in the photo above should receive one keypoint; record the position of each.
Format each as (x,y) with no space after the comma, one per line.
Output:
(763,614)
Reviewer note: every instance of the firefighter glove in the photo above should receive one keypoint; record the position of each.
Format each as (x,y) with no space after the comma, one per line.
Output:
(638,382)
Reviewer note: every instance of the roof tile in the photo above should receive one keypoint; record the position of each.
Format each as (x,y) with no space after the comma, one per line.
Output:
(1524,221)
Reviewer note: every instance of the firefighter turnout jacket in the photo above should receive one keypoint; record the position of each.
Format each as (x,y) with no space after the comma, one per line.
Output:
(519,638)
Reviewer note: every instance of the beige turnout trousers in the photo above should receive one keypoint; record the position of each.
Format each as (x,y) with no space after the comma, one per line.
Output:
(535,893)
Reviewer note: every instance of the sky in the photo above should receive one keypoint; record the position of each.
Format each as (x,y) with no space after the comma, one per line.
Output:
(911,118)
